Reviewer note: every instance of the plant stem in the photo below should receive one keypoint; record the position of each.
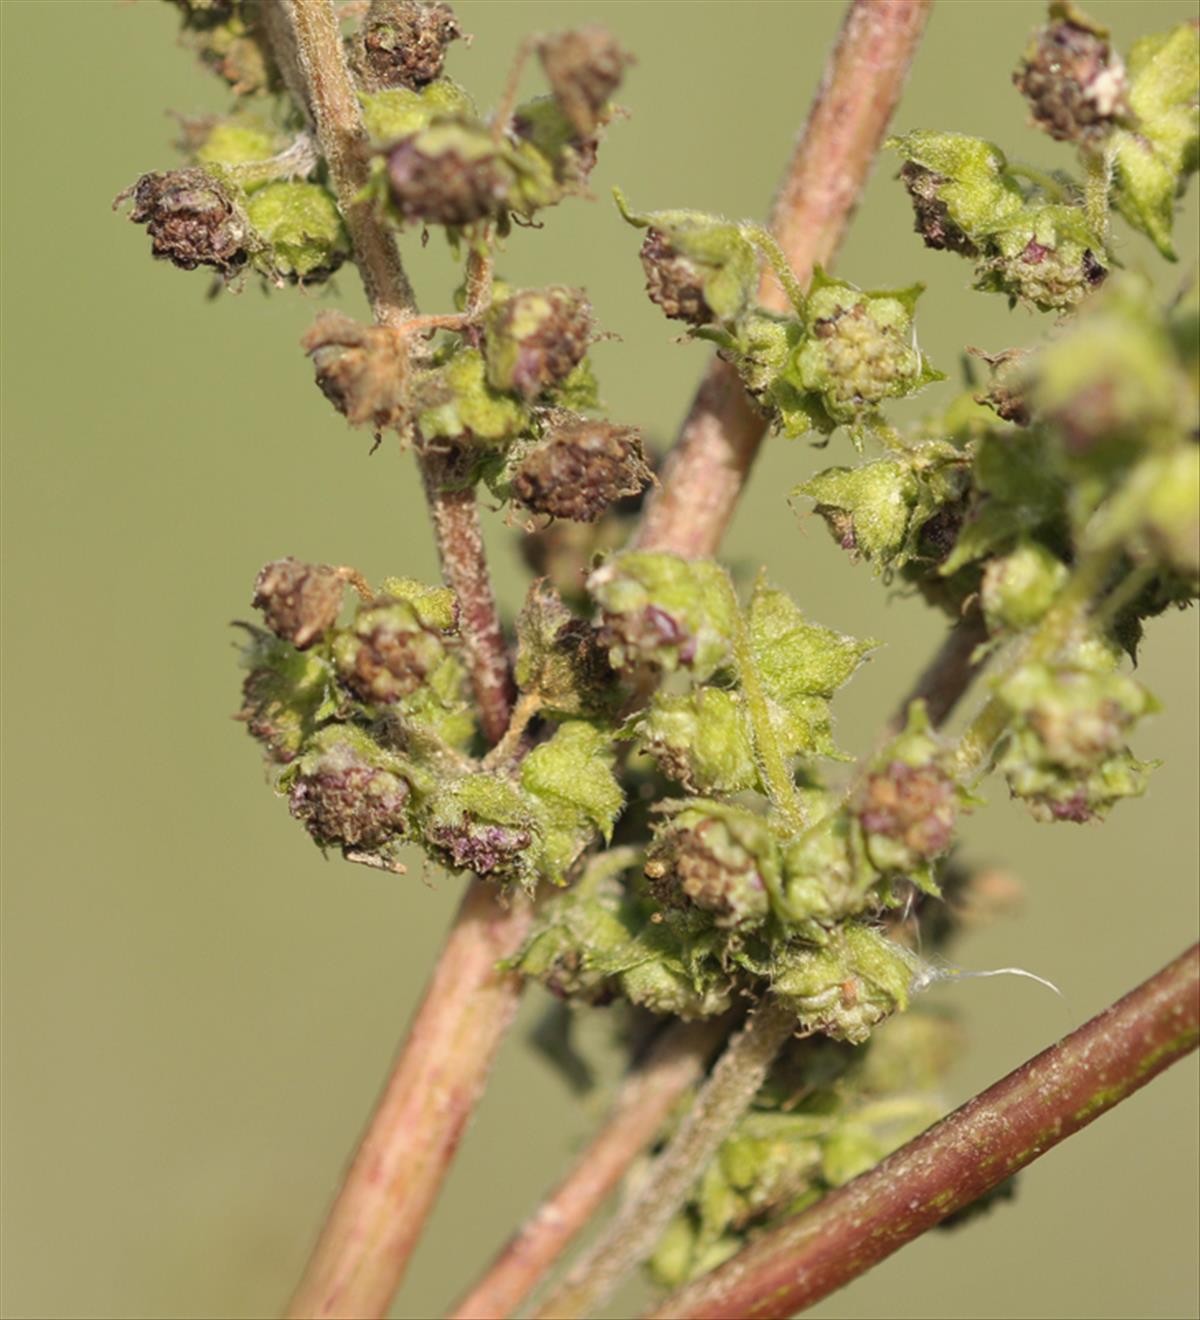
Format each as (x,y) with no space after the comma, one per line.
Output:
(674,1063)
(400,1164)
(635,1230)
(859,91)
(328,91)
(398,1168)
(947,676)
(958,1160)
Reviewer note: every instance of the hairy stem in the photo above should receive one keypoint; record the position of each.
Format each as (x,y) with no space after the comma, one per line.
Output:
(328,91)
(720,438)
(958,1160)
(401,1162)
(674,1063)
(635,1230)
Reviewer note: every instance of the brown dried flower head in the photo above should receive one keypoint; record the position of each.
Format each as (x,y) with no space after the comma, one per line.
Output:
(403,44)
(192,220)
(673,281)
(582,468)
(536,338)
(584,67)
(1073,80)
(300,602)
(933,221)
(350,803)
(447,175)
(361,369)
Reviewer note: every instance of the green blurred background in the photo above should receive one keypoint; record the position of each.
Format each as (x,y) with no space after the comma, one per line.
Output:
(199,1008)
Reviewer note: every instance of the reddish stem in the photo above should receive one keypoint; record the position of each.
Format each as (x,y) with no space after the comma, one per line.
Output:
(675,1062)
(958,1160)
(720,438)
(398,1169)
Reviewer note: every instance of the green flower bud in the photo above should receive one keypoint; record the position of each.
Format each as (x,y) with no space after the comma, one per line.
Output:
(284,695)
(827,877)
(846,987)
(661,988)
(1066,754)
(302,229)
(1073,80)
(701,739)
(468,409)
(403,43)
(721,859)
(584,67)
(449,173)
(1046,257)
(665,611)
(560,658)
(1018,588)
(397,112)
(348,791)
(699,268)
(300,602)
(1154,160)
(536,338)
(578,469)
(193,220)
(361,369)
(859,348)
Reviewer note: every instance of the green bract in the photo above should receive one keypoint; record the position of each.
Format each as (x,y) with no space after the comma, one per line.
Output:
(301,227)
(699,267)
(468,408)
(1155,159)
(879,510)
(396,112)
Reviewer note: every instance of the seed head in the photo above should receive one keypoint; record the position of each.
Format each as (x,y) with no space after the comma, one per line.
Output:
(713,862)
(345,800)
(1073,80)
(192,220)
(387,654)
(536,338)
(673,281)
(448,174)
(403,44)
(933,220)
(300,602)
(584,67)
(362,370)
(580,469)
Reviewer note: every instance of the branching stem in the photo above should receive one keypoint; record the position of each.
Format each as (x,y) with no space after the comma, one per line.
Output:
(638,1225)
(820,190)
(958,1160)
